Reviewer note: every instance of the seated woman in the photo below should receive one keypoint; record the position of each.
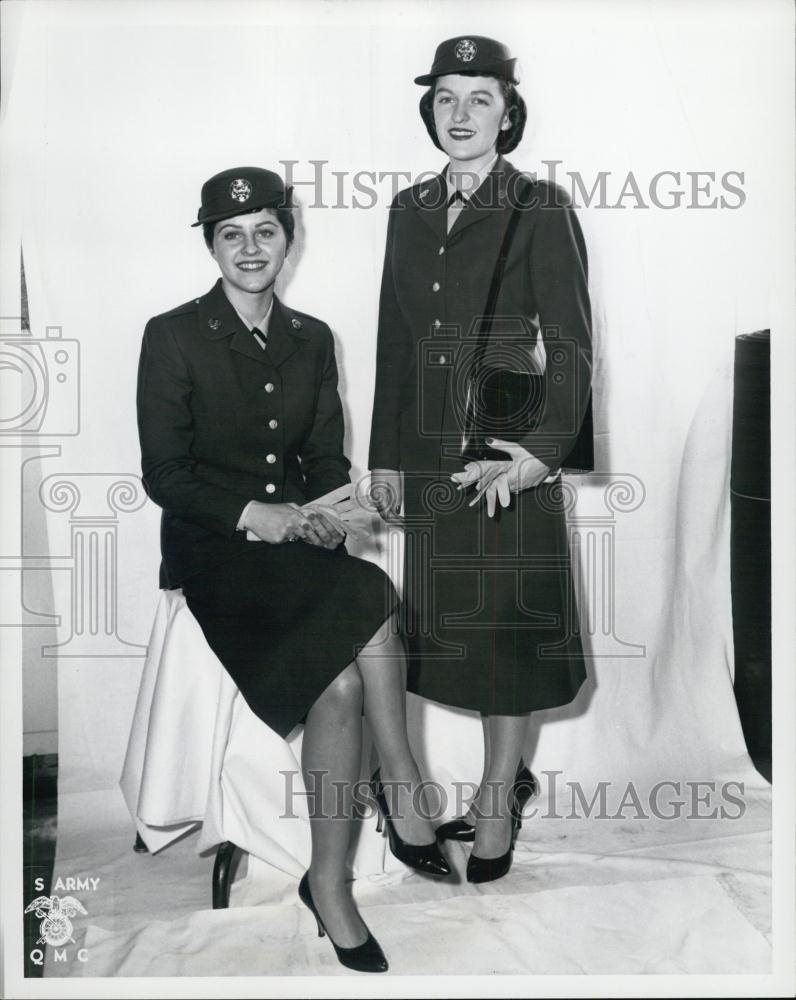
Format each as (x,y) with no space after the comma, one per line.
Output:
(241,425)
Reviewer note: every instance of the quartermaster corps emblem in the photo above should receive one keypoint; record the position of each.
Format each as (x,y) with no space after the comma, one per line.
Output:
(54,913)
(240,189)
(465,50)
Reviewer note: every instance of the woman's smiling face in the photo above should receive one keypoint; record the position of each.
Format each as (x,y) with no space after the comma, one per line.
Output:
(469,114)
(250,250)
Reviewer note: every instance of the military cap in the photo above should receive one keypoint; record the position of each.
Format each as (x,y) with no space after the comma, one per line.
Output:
(239,190)
(471,54)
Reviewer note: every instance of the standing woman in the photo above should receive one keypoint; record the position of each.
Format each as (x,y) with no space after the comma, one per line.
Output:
(488,600)
(241,425)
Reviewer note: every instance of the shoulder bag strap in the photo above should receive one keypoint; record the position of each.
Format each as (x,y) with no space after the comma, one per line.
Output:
(485,327)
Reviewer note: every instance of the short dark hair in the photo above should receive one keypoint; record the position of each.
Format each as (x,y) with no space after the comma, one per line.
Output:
(284,216)
(515,107)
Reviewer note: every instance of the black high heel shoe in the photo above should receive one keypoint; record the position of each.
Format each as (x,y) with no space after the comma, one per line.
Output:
(490,869)
(427,858)
(525,787)
(365,957)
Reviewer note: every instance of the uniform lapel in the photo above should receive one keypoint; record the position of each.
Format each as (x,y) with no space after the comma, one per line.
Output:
(218,319)
(285,334)
(432,206)
(490,197)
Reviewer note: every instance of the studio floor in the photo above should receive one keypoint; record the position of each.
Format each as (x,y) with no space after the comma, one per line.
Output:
(584,896)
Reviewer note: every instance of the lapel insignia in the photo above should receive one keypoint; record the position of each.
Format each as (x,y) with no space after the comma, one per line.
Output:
(296,323)
(214,323)
(425,194)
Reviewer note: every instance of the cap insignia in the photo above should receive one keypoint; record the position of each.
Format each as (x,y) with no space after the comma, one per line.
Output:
(240,190)
(465,50)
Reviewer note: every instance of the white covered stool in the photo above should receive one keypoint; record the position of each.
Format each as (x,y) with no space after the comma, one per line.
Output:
(197,754)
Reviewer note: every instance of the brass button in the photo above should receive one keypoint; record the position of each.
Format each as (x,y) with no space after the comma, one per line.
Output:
(435,287)
(442,359)
(441,251)
(273,424)
(270,488)
(269,386)
(270,459)
(437,324)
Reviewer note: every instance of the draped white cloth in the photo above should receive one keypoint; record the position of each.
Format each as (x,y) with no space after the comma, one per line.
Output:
(197,754)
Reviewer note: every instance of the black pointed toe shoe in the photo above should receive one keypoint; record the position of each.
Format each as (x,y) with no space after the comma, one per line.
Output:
(427,858)
(365,957)
(490,869)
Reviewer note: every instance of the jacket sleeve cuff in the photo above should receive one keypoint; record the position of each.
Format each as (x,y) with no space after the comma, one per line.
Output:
(552,466)
(241,526)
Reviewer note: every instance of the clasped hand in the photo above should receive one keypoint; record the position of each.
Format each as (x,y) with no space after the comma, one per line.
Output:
(284,522)
(499,479)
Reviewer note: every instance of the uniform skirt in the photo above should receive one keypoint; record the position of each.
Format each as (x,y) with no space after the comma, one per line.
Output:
(489,607)
(286,619)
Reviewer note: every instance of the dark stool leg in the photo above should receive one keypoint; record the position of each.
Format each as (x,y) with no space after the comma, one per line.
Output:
(139,846)
(222,872)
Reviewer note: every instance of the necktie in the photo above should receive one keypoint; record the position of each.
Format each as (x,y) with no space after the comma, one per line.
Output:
(259,337)
(456,204)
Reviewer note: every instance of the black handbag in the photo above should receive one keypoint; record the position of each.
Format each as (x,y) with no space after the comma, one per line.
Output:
(504,402)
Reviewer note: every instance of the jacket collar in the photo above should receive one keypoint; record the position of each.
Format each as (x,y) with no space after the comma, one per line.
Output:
(218,319)
(495,193)
(480,178)
(431,205)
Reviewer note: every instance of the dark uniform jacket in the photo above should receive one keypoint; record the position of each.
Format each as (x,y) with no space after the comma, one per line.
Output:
(222,422)
(434,289)
(488,603)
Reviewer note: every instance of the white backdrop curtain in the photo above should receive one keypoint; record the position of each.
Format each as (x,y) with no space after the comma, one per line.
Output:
(117,113)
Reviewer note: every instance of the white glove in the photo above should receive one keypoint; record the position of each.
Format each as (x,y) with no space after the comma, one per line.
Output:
(498,480)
